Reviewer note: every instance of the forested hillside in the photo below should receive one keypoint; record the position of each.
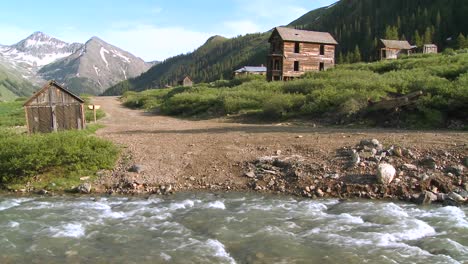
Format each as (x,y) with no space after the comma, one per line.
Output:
(215,60)
(359,24)
(356,24)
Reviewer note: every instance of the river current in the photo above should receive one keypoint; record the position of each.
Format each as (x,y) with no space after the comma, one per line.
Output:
(228,228)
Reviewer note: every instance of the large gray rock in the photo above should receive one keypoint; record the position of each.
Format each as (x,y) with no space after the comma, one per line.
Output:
(427,198)
(456,197)
(429,162)
(385,173)
(84,188)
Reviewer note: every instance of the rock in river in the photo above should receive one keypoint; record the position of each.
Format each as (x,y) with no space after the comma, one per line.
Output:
(385,173)
(84,188)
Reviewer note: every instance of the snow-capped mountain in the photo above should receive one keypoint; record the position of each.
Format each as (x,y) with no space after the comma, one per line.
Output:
(91,67)
(95,67)
(38,50)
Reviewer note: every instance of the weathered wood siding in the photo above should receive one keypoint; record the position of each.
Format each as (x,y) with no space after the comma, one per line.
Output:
(53,109)
(309,58)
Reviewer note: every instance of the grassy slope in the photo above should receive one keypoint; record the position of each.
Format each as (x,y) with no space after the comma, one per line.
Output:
(13,86)
(339,94)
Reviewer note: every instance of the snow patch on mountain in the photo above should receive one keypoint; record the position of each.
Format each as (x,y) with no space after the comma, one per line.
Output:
(103,56)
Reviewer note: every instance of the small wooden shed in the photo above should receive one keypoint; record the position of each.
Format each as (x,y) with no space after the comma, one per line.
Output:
(392,49)
(186,82)
(430,48)
(54,108)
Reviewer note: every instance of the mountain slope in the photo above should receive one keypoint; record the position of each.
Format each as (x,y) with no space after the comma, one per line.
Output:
(12,85)
(213,60)
(94,67)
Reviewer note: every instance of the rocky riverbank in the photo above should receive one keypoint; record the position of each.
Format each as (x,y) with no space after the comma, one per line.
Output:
(366,170)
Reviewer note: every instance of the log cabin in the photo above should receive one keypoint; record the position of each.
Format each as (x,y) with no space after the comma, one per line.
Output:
(294,52)
(54,108)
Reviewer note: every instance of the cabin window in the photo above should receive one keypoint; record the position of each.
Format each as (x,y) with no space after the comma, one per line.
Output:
(297,47)
(321,66)
(296,66)
(322,49)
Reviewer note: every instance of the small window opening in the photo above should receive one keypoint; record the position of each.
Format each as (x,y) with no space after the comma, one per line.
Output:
(297,47)
(322,50)
(296,66)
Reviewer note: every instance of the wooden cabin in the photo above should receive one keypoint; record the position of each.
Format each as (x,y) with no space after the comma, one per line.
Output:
(251,70)
(186,82)
(392,49)
(54,108)
(294,52)
(430,48)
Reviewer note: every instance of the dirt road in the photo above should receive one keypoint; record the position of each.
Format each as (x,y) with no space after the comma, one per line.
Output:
(207,153)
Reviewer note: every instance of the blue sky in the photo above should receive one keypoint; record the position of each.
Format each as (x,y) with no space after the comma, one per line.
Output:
(152,30)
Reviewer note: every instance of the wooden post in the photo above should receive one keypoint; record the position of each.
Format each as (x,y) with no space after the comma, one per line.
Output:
(27,119)
(94,110)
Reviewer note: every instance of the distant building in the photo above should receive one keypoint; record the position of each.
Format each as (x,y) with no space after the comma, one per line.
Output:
(186,82)
(430,48)
(54,108)
(392,49)
(251,70)
(294,52)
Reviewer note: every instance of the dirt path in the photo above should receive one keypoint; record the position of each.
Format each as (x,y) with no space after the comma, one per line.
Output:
(198,154)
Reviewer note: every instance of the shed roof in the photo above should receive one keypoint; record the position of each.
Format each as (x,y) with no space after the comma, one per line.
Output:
(289,34)
(252,69)
(430,45)
(396,44)
(46,86)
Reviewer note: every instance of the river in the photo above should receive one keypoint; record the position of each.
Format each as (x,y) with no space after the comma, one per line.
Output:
(227,228)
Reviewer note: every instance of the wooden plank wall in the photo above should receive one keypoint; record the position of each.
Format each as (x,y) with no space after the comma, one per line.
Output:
(309,58)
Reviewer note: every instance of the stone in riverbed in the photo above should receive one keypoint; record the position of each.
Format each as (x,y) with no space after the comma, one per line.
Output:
(456,197)
(83,188)
(429,162)
(385,173)
(250,174)
(409,167)
(319,192)
(137,168)
(457,170)
(427,198)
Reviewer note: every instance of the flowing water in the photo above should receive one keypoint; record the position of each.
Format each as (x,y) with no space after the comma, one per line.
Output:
(228,228)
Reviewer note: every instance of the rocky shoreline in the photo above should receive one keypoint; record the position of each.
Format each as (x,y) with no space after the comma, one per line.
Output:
(366,170)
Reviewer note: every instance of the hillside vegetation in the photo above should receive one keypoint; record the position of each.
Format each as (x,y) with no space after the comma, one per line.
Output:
(340,95)
(356,24)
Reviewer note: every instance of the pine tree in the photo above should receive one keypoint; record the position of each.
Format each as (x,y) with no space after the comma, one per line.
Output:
(428,36)
(357,54)
(417,39)
(391,32)
(461,42)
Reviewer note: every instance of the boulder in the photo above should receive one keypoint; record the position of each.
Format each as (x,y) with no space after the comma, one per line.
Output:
(84,188)
(250,174)
(385,173)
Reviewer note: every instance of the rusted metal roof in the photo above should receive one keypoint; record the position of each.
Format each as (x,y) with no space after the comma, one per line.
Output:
(289,34)
(46,86)
(396,44)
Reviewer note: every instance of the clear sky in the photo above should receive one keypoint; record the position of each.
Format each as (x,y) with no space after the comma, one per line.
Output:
(150,29)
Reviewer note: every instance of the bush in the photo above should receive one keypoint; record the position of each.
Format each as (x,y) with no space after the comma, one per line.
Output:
(24,155)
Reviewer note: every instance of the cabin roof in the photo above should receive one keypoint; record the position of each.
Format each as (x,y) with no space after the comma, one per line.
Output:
(289,34)
(430,45)
(252,69)
(396,44)
(46,86)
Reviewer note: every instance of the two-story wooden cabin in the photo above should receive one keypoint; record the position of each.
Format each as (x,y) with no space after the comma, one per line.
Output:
(294,52)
